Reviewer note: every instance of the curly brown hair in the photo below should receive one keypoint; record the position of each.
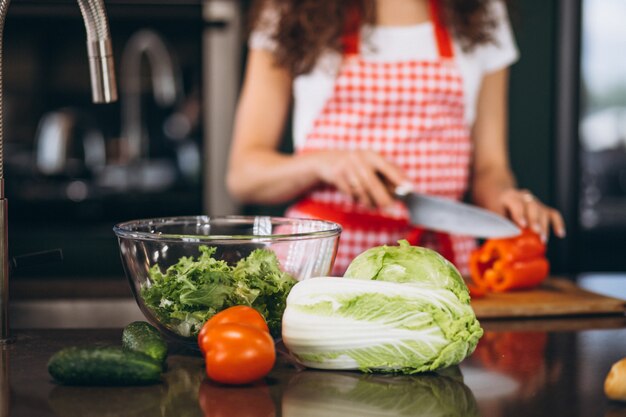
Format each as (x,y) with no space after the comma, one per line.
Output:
(308,27)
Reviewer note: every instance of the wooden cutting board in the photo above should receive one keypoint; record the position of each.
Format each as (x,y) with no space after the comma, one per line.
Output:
(555,297)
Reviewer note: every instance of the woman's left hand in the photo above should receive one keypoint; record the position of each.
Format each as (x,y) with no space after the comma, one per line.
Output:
(528,211)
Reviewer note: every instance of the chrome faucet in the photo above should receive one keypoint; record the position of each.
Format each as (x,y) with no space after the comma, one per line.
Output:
(166,88)
(103,90)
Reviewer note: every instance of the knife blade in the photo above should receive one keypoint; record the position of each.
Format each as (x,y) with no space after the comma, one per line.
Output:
(445,215)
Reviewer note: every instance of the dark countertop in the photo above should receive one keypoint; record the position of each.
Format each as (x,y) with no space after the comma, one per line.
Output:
(521,368)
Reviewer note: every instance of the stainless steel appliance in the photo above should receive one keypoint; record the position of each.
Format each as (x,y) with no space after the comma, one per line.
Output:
(222,49)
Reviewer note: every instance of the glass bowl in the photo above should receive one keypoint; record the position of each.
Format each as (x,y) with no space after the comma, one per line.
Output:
(162,261)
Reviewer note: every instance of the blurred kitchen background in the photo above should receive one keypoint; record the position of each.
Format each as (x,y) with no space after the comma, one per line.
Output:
(73,169)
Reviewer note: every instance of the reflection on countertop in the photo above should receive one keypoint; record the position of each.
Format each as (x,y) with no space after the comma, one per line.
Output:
(560,373)
(352,394)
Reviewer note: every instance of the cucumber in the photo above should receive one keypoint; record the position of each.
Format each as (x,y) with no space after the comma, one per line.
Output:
(111,365)
(142,337)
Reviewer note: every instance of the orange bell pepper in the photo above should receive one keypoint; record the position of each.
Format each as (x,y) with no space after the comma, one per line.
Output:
(508,264)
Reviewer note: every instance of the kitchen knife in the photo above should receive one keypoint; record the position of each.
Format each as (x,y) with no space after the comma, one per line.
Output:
(445,215)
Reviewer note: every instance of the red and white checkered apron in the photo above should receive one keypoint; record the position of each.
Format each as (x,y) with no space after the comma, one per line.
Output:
(410,112)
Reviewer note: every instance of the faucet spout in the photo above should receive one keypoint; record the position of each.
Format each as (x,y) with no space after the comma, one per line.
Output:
(100,51)
(104,90)
(166,88)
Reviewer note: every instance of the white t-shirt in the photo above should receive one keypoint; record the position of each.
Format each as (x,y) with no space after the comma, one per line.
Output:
(395,43)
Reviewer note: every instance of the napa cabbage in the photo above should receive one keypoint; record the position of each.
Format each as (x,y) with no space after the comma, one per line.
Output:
(343,323)
(406,263)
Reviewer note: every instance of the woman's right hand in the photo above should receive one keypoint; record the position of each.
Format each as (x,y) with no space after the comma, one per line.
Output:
(259,174)
(363,175)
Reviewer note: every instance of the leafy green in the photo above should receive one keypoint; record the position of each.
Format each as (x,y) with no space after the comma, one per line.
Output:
(342,323)
(406,263)
(193,290)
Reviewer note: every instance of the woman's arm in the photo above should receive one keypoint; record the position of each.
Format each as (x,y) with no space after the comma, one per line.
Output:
(258,173)
(493,182)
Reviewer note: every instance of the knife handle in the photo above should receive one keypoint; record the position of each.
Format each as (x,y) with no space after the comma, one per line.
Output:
(398,191)
(402,190)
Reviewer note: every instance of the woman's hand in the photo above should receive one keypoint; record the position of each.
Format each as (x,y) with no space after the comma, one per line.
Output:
(260,174)
(527,211)
(364,175)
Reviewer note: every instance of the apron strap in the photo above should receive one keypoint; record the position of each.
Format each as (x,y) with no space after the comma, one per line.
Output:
(372,222)
(351,34)
(350,39)
(442,36)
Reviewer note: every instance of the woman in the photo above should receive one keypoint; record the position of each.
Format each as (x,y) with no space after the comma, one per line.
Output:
(385,93)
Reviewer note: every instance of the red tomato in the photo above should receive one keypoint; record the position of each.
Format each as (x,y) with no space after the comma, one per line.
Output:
(247,401)
(238,353)
(237,314)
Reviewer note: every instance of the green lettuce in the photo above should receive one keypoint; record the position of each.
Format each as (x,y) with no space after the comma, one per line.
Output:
(189,292)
